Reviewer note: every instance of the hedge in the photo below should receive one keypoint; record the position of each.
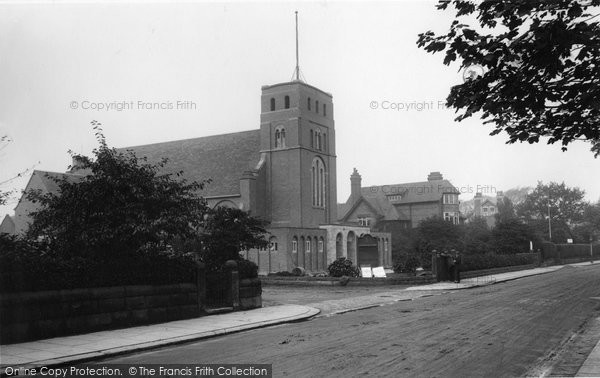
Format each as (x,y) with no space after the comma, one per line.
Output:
(489,261)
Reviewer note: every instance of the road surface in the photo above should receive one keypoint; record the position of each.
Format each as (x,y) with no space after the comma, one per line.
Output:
(532,325)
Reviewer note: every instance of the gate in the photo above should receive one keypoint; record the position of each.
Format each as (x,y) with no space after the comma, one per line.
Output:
(218,290)
(368,251)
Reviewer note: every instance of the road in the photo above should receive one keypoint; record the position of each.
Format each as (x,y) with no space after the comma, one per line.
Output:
(528,326)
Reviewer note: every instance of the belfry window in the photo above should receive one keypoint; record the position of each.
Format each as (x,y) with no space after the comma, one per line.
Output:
(280,138)
(272,104)
(318,182)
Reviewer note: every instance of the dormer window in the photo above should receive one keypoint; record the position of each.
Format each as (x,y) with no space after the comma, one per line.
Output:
(272,104)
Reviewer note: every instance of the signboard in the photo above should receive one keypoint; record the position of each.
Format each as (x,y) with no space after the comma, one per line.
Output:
(378,271)
(366,271)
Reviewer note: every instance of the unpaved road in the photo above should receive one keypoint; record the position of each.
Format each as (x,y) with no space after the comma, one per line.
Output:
(509,329)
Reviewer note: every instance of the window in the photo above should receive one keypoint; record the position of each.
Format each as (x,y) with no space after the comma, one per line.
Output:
(395,197)
(324,142)
(308,245)
(318,182)
(451,217)
(385,245)
(317,107)
(279,138)
(272,104)
(492,209)
(309,103)
(287,102)
(273,244)
(321,245)
(450,199)
(295,245)
(312,139)
(325,110)
(485,210)
(364,221)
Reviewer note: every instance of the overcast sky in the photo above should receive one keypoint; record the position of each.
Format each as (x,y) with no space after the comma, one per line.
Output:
(58,58)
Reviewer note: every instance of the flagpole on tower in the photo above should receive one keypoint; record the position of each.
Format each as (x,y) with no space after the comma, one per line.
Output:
(297,55)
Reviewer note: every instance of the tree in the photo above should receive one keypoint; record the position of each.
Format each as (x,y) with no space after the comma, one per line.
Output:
(512,236)
(565,204)
(506,210)
(122,207)
(476,237)
(226,232)
(538,58)
(589,228)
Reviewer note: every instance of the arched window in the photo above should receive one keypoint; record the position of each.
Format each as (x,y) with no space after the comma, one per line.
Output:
(273,244)
(318,182)
(287,102)
(295,250)
(272,104)
(324,142)
(325,110)
(312,139)
(317,106)
(309,103)
(279,138)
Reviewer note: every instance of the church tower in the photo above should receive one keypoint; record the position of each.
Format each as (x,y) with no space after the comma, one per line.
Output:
(298,144)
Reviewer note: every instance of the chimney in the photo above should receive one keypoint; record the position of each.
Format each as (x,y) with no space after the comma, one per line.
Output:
(77,164)
(477,204)
(435,176)
(355,184)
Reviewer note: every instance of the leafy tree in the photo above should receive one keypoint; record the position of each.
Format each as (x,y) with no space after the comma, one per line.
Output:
(506,210)
(227,231)
(589,228)
(512,236)
(566,204)
(538,58)
(124,206)
(476,237)
(438,234)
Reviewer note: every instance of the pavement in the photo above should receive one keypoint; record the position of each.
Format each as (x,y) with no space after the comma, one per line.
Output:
(98,345)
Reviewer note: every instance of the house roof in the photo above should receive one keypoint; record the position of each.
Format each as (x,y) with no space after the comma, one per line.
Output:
(7,225)
(221,158)
(415,192)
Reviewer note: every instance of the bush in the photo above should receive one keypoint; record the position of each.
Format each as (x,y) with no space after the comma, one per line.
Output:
(343,267)
(247,269)
(489,261)
(26,266)
(407,264)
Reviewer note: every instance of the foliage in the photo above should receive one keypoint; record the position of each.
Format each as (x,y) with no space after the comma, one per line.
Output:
(27,266)
(247,269)
(437,234)
(539,62)
(490,260)
(512,236)
(124,206)
(476,237)
(343,267)
(407,264)
(506,210)
(589,228)
(225,232)
(566,204)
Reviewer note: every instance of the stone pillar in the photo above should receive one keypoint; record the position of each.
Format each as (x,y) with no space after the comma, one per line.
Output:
(231,266)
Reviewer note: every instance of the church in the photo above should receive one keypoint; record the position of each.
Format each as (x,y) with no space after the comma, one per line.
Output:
(284,173)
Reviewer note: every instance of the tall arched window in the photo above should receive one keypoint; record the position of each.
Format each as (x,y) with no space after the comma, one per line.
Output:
(272,104)
(287,102)
(318,182)
(280,138)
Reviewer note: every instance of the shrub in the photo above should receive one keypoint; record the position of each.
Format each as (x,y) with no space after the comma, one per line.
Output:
(407,264)
(343,267)
(489,261)
(247,269)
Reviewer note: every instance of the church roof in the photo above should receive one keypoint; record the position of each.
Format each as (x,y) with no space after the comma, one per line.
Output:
(222,158)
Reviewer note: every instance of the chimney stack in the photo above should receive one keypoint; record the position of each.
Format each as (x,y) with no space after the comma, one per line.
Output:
(355,185)
(477,204)
(435,176)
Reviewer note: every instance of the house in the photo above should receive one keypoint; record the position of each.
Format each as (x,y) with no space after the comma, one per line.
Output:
(396,206)
(486,207)
(284,172)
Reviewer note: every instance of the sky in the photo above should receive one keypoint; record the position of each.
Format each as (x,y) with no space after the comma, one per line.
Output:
(155,72)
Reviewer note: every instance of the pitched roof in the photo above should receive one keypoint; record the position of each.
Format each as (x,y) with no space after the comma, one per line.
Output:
(377,197)
(48,179)
(221,158)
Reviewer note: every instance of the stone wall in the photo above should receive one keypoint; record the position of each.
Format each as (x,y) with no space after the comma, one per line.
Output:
(37,315)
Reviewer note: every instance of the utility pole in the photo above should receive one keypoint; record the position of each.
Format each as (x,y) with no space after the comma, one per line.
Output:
(549,219)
